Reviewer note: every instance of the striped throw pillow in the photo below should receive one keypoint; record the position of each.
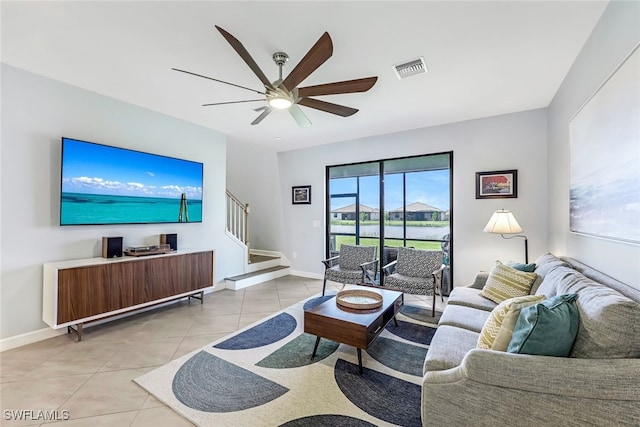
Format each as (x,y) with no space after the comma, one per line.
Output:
(506,282)
(498,328)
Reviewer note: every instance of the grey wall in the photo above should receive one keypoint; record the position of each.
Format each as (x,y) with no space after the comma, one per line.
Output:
(617,33)
(36,112)
(513,141)
(252,176)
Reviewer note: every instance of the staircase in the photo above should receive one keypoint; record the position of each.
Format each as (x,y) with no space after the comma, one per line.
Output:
(261,266)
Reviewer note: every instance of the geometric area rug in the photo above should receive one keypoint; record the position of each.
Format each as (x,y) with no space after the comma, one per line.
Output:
(263,375)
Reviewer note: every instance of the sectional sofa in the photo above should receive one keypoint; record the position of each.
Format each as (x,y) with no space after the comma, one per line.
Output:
(598,384)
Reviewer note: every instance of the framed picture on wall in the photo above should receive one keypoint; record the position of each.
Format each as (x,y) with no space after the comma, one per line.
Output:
(604,157)
(497,184)
(301,195)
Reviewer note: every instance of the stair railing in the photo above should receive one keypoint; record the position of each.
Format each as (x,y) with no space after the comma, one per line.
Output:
(238,219)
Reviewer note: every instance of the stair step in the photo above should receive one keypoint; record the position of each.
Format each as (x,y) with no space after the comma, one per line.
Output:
(253,258)
(255,273)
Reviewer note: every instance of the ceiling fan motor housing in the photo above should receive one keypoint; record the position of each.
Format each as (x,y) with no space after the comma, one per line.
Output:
(280,58)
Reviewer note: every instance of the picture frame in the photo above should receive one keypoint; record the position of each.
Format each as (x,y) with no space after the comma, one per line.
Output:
(301,195)
(603,194)
(497,184)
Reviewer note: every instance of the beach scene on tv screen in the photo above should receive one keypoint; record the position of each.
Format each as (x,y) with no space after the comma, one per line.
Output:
(109,185)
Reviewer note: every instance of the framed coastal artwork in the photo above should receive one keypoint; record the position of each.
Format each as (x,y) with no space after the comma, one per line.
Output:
(605,158)
(497,184)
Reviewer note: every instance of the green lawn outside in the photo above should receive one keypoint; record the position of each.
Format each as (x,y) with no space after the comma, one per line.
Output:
(374,241)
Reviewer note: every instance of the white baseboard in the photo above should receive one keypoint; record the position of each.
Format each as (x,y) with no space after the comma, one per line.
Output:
(29,338)
(265,253)
(46,333)
(250,281)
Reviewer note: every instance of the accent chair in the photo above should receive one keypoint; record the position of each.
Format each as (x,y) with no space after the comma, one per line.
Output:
(353,265)
(416,272)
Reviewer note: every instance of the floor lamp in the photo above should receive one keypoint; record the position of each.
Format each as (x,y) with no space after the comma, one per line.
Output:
(503,222)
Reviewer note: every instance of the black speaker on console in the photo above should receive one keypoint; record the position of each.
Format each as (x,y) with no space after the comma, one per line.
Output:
(111,247)
(171,240)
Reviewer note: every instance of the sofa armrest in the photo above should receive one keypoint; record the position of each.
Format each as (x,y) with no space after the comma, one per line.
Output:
(480,280)
(606,379)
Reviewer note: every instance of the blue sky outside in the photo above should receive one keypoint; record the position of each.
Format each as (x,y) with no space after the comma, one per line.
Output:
(430,187)
(99,169)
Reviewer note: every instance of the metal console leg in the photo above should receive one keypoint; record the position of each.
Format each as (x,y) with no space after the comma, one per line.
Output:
(77,330)
(201,297)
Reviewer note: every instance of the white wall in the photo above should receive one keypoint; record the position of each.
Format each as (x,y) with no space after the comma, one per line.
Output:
(252,176)
(612,39)
(513,141)
(36,112)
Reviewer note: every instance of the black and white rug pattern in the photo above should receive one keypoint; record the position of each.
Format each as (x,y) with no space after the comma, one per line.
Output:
(263,375)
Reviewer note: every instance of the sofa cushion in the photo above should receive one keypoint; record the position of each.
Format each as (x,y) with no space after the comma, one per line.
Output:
(448,347)
(547,262)
(609,321)
(498,328)
(505,282)
(470,297)
(548,328)
(552,280)
(464,317)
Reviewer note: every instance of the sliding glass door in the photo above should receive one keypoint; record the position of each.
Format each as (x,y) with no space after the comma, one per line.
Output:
(391,203)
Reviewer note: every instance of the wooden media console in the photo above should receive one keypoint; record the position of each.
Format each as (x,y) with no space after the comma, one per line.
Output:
(82,291)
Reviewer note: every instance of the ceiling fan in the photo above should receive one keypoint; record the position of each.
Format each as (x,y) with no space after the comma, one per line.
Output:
(285,94)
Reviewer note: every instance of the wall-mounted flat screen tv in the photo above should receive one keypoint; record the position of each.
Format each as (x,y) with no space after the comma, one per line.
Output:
(108,185)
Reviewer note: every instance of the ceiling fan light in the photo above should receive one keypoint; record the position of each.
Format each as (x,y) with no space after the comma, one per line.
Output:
(280,103)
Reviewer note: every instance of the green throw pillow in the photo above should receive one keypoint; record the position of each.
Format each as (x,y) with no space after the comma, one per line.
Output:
(548,328)
(529,268)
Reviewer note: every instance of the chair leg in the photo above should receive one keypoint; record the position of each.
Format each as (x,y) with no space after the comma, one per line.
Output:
(324,285)
(433,306)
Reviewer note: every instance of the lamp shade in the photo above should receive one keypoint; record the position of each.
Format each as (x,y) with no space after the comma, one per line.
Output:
(502,222)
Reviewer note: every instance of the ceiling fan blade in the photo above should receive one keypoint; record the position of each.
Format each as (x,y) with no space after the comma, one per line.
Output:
(264,114)
(260,108)
(317,55)
(232,102)
(347,86)
(219,81)
(244,54)
(299,116)
(328,107)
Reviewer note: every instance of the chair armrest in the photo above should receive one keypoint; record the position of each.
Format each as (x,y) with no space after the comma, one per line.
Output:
(388,269)
(328,263)
(371,265)
(609,379)
(437,277)
(369,271)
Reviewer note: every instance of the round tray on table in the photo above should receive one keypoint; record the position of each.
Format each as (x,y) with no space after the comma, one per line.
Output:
(359,299)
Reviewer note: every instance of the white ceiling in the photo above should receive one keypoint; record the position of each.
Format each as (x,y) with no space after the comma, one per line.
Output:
(484,58)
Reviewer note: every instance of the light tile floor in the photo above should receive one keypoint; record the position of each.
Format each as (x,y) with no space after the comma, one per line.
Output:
(92,379)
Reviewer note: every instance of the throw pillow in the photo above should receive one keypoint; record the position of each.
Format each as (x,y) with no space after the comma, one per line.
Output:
(501,321)
(506,282)
(548,328)
(528,268)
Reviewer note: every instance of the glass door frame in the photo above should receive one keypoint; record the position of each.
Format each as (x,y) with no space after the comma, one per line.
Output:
(381,175)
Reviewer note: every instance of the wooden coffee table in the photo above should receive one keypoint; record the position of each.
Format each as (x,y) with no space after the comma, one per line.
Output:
(358,328)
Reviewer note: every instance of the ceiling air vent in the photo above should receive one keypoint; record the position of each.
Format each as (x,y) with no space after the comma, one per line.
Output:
(411,68)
